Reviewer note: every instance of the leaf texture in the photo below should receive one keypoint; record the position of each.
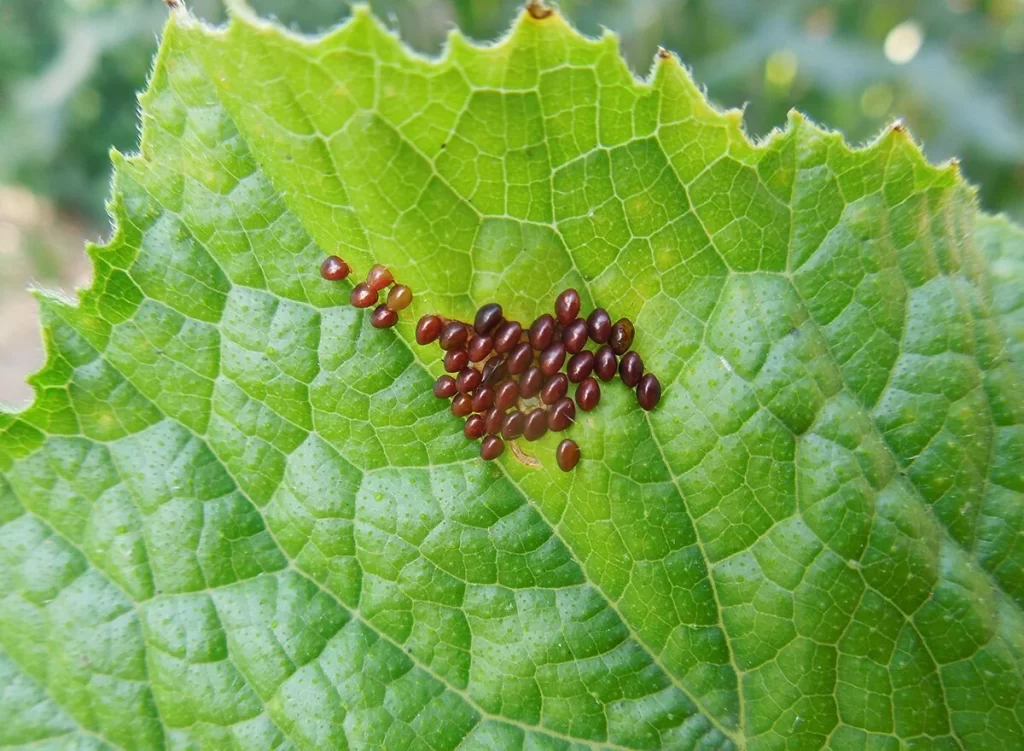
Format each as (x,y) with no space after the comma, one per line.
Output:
(236,517)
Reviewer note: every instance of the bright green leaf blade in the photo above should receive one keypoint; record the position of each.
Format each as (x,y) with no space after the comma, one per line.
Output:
(1003,246)
(236,517)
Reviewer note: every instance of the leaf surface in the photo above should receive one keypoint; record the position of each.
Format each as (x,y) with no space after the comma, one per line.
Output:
(236,517)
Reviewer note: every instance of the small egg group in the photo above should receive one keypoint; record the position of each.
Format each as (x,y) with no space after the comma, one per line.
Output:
(367,293)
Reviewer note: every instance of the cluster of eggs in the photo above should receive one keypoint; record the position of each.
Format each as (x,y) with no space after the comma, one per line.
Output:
(508,382)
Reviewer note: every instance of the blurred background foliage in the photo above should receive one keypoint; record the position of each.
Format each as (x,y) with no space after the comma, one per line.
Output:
(953,70)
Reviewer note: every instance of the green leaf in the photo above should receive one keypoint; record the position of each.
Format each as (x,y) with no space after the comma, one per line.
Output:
(235,516)
(1002,245)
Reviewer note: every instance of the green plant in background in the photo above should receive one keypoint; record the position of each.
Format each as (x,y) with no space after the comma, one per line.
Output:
(68,69)
(236,517)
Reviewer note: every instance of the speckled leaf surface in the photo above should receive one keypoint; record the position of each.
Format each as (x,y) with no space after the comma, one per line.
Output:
(235,516)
